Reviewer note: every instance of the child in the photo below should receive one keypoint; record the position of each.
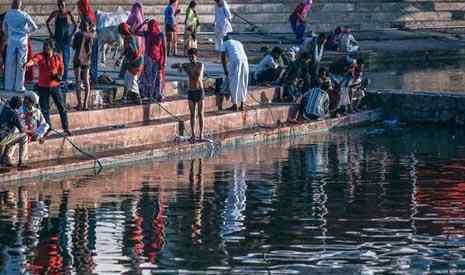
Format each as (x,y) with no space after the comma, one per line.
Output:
(194,70)
(82,45)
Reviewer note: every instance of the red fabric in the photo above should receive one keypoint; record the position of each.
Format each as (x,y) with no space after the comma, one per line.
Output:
(124,29)
(48,66)
(29,76)
(86,10)
(155,42)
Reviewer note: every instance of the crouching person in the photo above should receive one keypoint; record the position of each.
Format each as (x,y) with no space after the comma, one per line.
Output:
(32,119)
(132,63)
(50,73)
(271,67)
(313,104)
(12,133)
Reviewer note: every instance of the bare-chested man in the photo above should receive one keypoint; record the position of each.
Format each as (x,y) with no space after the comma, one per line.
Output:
(194,70)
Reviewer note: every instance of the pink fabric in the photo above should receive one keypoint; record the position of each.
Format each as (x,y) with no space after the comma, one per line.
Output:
(135,19)
(307,7)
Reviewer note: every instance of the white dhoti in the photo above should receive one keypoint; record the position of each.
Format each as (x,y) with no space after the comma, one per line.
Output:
(16,57)
(238,75)
(131,83)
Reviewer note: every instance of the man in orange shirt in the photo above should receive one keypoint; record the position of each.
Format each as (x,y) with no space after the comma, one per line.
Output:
(50,72)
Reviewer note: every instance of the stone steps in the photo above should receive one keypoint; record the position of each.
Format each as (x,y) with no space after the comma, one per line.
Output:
(98,140)
(175,105)
(324,16)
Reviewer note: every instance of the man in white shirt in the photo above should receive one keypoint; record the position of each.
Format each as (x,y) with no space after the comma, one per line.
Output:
(236,68)
(17,26)
(223,25)
(270,68)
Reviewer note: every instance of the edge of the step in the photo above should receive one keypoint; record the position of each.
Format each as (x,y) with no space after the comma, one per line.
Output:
(172,150)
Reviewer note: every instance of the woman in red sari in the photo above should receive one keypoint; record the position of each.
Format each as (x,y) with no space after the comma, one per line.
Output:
(152,83)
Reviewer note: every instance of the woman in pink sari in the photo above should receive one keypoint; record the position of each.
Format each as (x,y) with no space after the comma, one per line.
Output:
(135,20)
(152,84)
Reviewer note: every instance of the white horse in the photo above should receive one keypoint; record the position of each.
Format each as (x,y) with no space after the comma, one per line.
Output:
(108,37)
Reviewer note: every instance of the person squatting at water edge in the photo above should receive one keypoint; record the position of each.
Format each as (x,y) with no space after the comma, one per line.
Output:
(17,25)
(51,70)
(236,69)
(32,127)
(12,133)
(195,94)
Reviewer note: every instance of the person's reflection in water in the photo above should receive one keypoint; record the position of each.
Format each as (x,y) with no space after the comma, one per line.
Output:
(150,212)
(133,246)
(197,186)
(82,253)
(235,202)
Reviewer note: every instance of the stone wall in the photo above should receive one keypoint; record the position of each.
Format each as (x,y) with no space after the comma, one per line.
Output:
(421,107)
(272,15)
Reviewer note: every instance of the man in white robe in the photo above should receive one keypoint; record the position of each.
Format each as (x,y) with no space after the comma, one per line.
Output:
(236,68)
(223,25)
(17,26)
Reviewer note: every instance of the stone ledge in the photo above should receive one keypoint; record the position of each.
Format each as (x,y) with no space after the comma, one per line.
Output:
(173,150)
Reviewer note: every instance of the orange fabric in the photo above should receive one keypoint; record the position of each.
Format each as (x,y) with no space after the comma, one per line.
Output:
(48,67)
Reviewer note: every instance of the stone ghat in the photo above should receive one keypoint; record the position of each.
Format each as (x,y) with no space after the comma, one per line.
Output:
(273,16)
(421,107)
(250,132)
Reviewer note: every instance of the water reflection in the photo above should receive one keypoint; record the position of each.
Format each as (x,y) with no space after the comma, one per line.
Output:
(358,201)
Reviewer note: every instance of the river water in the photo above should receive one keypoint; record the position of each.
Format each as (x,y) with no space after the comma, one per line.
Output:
(360,201)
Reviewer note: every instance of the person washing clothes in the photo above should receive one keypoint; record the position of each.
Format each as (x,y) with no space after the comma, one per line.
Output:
(17,25)
(51,70)
(236,68)
(223,17)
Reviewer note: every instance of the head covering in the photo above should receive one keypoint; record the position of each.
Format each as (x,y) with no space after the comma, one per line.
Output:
(86,10)
(123,28)
(136,17)
(154,42)
(32,96)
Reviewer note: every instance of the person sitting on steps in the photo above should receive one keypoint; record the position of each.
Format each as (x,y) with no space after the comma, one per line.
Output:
(195,94)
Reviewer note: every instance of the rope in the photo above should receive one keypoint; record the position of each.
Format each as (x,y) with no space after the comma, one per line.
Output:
(84,153)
